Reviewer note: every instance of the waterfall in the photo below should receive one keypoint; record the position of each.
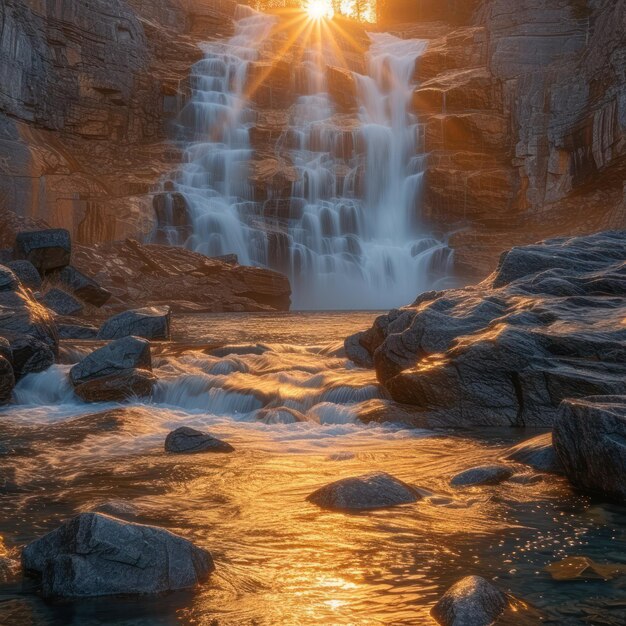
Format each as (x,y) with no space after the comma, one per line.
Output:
(346,228)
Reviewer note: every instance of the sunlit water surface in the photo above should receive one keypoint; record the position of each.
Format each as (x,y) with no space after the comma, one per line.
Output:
(281,560)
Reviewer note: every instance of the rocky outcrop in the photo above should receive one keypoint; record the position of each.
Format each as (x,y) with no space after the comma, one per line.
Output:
(590,441)
(472,601)
(544,327)
(149,323)
(185,440)
(96,555)
(359,493)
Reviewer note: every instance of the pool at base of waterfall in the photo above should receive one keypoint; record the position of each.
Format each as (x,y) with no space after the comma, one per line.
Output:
(281,560)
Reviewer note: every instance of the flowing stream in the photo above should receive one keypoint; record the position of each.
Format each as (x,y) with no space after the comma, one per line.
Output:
(280,560)
(347,228)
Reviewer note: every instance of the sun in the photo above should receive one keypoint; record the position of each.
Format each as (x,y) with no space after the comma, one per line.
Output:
(319,9)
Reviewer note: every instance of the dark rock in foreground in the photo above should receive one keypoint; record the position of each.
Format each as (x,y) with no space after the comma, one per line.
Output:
(118,356)
(7,380)
(118,387)
(30,355)
(537,453)
(590,439)
(8,279)
(371,491)
(27,273)
(483,475)
(46,249)
(97,555)
(149,322)
(62,303)
(83,287)
(472,601)
(546,326)
(187,440)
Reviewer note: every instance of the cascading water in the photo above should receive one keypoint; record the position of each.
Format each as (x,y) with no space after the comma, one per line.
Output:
(348,233)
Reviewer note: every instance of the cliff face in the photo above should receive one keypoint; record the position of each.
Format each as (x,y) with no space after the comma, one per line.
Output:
(525,113)
(86,90)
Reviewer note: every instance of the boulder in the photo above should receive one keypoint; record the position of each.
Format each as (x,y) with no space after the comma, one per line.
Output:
(377,490)
(546,326)
(97,555)
(30,355)
(83,287)
(8,280)
(118,387)
(483,475)
(356,352)
(47,250)
(280,415)
(472,601)
(27,274)
(118,356)
(590,440)
(149,322)
(62,302)
(7,380)
(77,331)
(121,509)
(5,349)
(185,440)
(537,453)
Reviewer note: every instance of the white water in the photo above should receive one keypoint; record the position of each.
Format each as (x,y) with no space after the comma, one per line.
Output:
(349,234)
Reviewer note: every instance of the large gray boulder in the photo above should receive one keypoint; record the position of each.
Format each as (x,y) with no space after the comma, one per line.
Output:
(472,601)
(378,490)
(27,273)
(118,387)
(62,302)
(546,326)
(46,249)
(7,380)
(118,356)
(590,440)
(83,287)
(538,453)
(97,555)
(185,440)
(149,322)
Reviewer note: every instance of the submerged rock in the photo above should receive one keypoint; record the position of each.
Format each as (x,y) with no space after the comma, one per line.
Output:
(83,287)
(483,475)
(280,415)
(378,490)
(149,322)
(62,302)
(97,555)
(185,440)
(118,387)
(118,356)
(472,601)
(538,453)
(590,440)
(7,380)
(46,249)
(121,509)
(27,273)
(506,352)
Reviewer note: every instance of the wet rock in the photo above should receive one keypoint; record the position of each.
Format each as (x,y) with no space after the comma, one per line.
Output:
(8,279)
(118,356)
(77,331)
(506,352)
(378,490)
(537,453)
(118,387)
(7,380)
(62,302)
(590,440)
(46,249)
(472,601)
(83,287)
(280,415)
(356,352)
(30,355)
(185,440)
(27,273)
(5,349)
(483,475)
(96,555)
(121,509)
(149,322)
